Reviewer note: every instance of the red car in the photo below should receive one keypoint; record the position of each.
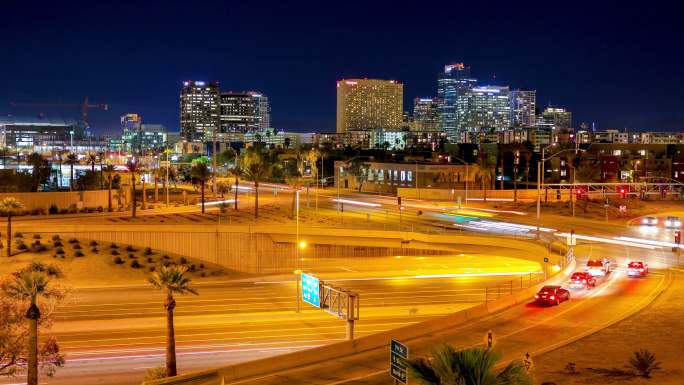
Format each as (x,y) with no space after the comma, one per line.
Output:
(637,269)
(582,280)
(549,295)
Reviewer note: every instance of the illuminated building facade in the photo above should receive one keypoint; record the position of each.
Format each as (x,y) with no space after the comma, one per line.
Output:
(365,104)
(485,107)
(523,104)
(199,110)
(452,84)
(244,112)
(425,114)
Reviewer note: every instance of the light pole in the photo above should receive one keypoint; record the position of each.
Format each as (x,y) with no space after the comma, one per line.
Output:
(540,178)
(168,164)
(466,180)
(543,174)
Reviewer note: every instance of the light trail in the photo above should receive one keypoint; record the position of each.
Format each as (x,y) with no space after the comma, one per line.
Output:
(216,202)
(649,242)
(358,203)
(607,240)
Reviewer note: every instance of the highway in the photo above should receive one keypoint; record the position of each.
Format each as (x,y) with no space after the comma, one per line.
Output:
(103,330)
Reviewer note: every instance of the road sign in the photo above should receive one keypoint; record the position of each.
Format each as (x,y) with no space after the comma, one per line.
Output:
(398,356)
(311,290)
(528,364)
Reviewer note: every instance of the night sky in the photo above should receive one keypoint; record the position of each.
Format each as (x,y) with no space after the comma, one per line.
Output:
(618,66)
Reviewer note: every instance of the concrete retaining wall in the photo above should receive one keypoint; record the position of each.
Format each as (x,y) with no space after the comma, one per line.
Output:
(62,200)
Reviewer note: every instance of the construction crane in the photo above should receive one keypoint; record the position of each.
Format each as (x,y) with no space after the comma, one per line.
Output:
(85,106)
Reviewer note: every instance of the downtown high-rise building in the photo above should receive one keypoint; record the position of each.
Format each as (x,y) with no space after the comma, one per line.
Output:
(426,115)
(523,105)
(367,104)
(484,107)
(199,110)
(244,112)
(559,118)
(452,84)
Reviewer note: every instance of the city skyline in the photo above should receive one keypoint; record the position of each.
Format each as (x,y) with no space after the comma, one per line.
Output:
(594,77)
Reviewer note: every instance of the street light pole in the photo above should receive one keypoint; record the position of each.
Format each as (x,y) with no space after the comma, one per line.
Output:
(297,248)
(539,165)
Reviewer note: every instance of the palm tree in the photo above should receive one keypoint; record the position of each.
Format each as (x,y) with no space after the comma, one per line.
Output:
(236,171)
(100,158)
(133,167)
(40,170)
(256,167)
(71,160)
(109,170)
(171,280)
(472,366)
(9,205)
(30,286)
(485,172)
(201,173)
(92,159)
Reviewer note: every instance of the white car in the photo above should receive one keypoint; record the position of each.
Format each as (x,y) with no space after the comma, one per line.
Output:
(673,222)
(598,267)
(649,221)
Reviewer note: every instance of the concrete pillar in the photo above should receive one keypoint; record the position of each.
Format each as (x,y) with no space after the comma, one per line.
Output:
(350,330)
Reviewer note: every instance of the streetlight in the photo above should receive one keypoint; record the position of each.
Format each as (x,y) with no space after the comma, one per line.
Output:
(540,178)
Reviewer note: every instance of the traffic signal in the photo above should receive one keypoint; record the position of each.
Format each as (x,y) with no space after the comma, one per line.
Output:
(678,237)
(663,192)
(578,193)
(623,192)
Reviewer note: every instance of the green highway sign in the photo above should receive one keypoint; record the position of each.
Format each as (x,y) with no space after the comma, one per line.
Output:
(398,356)
(311,290)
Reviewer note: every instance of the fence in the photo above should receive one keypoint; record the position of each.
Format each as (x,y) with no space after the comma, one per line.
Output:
(63,200)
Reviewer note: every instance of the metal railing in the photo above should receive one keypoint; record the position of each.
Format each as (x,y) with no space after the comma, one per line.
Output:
(509,287)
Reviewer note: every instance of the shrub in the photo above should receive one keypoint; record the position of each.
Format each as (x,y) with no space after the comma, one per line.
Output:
(59,251)
(203,274)
(53,210)
(131,256)
(113,246)
(166,257)
(152,269)
(150,260)
(77,246)
(18,235)
(64,211)
(114,252)
(39,267)
(118,260)
(38,211)
(94,250)
(93,243)
(192,268)
(100,209)
(56,237)
(73,240)
(166,263)
(201,266)
(58,244)
(148,251)
(36,236)
(155,373)
(38,247)
(22,246)
(78,253)
(135,264)
(643,363)
(130,248)
(183,261)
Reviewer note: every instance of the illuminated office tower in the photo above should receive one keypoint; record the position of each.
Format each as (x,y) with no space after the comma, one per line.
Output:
(366,104)
(452,84)
(425,114)
(199,110)
(485,107)
(523,104)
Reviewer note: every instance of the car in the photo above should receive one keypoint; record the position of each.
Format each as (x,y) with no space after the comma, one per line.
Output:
(673,222)
(598,267)
(637,269)
(649,221)
(549,295)
(582,280)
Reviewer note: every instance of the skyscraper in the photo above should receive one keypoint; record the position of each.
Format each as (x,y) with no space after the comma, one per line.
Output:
(452,84)
(199,110)
(523,104)
(559,118)
(244,112)
(365,104)
(426,114)
(485,107)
